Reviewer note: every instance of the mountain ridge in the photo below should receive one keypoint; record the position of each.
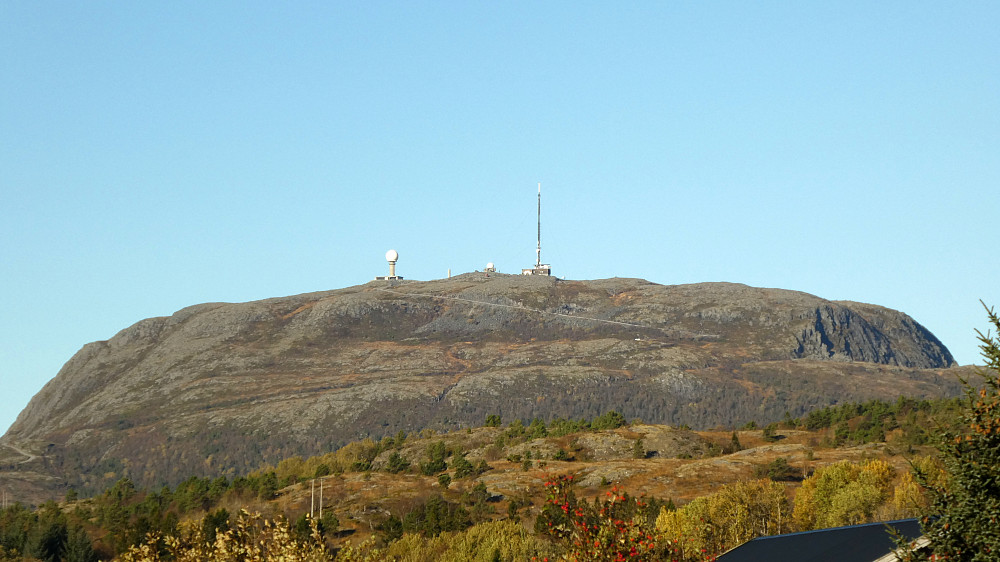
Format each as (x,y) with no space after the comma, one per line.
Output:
(243,383)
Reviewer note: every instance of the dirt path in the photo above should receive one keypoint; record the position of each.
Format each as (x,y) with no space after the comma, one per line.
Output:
(21,451)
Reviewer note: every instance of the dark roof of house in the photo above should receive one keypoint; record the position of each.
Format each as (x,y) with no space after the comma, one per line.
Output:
(858,543)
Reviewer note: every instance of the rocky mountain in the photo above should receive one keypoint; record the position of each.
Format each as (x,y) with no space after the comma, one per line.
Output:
(221,388)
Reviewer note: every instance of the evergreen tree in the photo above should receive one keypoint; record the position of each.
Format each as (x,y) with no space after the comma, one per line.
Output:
(396,463)
(963,520)
(444,480)
(268,486)
(79,547)
(328,523)
(391,529)
(769,432)
(47,541)
(610,420)
(463,468)
(436,453)
(217,521)
(638,449)
(537,429)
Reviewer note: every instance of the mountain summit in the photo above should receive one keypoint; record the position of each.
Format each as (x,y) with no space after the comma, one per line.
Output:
(221,388)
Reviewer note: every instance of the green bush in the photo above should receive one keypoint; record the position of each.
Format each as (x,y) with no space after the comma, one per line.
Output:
(778,470)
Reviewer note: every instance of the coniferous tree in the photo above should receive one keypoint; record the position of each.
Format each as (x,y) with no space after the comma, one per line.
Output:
(396,463)
(638,449)
(963,520)
(436,454)
(47,539)
(444,480)
(79,547)
(463,468)
(217,521)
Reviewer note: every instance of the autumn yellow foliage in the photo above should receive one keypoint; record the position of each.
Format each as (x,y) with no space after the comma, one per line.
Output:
(843,493)
(252,539)
(256,539)
(493,540)
(733,515)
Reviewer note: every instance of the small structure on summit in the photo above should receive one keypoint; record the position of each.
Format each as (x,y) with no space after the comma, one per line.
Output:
(540,268)
(391,256)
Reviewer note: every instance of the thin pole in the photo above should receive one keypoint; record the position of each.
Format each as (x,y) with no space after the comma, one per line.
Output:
(312,498)
(538,250)
(321,498)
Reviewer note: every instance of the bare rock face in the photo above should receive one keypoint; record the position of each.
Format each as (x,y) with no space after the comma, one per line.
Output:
(222,388)
(862,332)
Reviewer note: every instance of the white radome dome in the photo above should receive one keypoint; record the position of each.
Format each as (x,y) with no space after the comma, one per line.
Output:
(490,266)
(391,255)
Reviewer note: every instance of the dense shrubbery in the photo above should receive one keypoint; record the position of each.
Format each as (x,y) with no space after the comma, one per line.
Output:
(436,516)
(124,516)
(869,422)
(44,534)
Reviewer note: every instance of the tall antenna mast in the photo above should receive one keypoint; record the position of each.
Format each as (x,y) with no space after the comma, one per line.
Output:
(540,268)
(538,251)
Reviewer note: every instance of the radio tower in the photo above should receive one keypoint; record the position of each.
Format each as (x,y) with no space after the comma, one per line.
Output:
(538,250)
(540,268)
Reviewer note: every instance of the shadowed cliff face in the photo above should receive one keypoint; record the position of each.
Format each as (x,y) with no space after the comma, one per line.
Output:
(219,387)
(860,332)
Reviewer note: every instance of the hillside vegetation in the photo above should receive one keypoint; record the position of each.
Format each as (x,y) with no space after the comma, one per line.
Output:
(514,490)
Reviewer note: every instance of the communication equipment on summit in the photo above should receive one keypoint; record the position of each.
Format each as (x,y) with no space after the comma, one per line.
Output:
(391,256)
(540,268)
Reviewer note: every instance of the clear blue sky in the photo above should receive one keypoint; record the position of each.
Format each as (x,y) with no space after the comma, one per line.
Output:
(155,155)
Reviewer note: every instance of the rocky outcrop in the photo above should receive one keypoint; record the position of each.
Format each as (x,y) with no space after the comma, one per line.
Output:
(861,332)
(225,387)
